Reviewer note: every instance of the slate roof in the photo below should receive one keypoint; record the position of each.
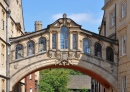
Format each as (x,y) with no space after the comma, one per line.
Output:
(79,82)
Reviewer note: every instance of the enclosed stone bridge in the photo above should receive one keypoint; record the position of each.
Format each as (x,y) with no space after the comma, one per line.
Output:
(64,44)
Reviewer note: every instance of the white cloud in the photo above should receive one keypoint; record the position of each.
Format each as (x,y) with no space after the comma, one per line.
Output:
(87,18)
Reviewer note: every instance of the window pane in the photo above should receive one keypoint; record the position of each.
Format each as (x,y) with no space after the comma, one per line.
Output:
(123,44)
(124,84)
(98,50)
(19,51)
(30,48)
(42,44)
(123,11)
(64,37)
(112,18)
(53,41)
(109,54)
(74,41)
(86,46)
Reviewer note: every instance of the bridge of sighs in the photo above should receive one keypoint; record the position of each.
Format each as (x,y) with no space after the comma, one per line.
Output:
(64,44)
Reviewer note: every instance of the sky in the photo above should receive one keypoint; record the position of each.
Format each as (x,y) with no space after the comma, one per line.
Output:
(87,13)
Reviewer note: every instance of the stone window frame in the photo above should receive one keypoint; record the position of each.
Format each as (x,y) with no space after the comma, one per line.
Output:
(123,45)
(54,44)
(112,54)
(67,39)
(88,51)
(33,48)
(2,53)
(122,13)
(3,19)
(74,39)
(44,49)
(16,51)
(123,83)
(98,54)
(112,18)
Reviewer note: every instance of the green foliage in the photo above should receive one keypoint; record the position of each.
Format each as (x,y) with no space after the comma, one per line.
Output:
(73,72)
(54,80)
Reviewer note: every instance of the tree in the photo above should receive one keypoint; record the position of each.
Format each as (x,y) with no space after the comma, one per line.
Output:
(54,80)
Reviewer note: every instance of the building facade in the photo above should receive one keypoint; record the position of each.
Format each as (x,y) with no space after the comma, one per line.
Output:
(114,32)
(11,25)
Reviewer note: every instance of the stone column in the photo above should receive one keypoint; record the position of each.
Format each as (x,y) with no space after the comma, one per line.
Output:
(70,41)
(36,47)
(104,53)
(78,41)
(50,44)
(92,49)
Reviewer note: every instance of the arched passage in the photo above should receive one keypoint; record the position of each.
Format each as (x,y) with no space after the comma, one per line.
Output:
(96,72)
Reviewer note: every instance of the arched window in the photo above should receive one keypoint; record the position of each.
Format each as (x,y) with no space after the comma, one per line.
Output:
(86,46)
(98,50)
(42,44)
(109,54)
(30,48)
(64,37)
(19,51)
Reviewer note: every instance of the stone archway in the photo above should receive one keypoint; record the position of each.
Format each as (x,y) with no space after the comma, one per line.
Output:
(98,73)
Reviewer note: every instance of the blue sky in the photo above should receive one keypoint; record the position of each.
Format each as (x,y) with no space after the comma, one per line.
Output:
(87,13)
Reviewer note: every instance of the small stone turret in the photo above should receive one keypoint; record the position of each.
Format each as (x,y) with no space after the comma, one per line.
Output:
(38,25)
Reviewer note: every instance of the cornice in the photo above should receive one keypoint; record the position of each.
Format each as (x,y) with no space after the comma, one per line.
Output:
(109,3)
(100,37)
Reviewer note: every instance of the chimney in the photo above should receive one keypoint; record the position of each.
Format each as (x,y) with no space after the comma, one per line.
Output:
(38,25)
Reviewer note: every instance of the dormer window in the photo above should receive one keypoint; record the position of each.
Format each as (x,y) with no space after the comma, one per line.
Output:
(64,37)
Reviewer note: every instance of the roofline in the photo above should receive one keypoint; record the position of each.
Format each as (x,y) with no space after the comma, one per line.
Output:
(62,19)
(100,37)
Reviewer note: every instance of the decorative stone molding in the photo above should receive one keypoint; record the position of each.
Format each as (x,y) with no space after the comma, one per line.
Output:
(50,53)
(78,54)
(64,62)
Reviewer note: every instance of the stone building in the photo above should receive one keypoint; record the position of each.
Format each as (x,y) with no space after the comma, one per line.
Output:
(11,25)
(103,56)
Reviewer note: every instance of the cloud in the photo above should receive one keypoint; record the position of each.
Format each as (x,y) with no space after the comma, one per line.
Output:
(87,18)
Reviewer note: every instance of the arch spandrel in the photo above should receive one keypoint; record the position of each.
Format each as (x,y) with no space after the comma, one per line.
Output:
(91,65)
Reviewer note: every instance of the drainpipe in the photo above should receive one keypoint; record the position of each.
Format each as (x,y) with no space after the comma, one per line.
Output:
(115,21)
(7,52)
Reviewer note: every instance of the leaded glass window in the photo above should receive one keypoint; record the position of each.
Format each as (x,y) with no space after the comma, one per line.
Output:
(42,44)
(30,48)
(98,50)
(86,46)
(64,37)
(75,41)
(53,41)
(109,54)
(19,51)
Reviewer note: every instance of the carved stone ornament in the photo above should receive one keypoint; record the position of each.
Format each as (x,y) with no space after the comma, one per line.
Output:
(16,66)
(71,54)
(64,62)
(50,54)
(62,59)
(78,54)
